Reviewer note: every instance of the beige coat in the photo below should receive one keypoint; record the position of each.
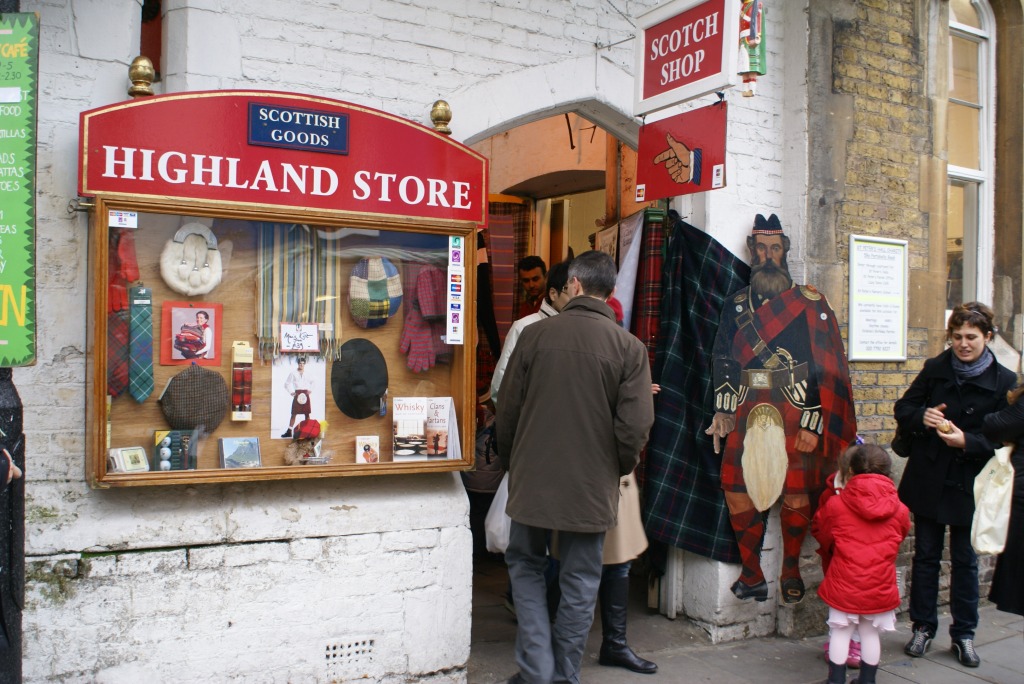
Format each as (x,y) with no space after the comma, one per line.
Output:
(627,540)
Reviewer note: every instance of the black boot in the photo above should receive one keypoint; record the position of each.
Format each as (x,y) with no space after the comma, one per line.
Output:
(867,674)
(613,595)
(837,673)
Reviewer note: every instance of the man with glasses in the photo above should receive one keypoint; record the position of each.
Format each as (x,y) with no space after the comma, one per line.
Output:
(576,408)
(556,297)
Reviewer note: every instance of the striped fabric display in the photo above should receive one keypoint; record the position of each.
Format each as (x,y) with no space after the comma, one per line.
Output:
(501,252)
(332,278)
(286,282)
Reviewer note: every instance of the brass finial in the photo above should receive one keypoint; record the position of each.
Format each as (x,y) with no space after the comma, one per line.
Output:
(441,115)
(141,73)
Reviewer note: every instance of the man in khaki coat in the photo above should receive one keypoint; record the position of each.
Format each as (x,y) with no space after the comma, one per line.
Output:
(576,409)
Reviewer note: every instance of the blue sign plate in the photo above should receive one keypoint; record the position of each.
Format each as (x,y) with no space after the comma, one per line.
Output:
(298,129)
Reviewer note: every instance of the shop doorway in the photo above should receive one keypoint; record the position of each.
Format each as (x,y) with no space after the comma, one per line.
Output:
(555,184)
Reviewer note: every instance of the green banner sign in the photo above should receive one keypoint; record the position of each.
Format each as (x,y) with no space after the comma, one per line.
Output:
(19,83)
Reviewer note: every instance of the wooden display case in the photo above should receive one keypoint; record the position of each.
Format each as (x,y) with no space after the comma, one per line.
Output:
(301,275)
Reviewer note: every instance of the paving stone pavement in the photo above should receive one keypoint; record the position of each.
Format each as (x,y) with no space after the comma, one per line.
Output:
(684,654)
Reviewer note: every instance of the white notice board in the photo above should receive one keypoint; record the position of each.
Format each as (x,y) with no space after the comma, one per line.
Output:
(878,299)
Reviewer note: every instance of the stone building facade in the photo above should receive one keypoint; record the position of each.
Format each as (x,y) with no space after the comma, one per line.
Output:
(371,577)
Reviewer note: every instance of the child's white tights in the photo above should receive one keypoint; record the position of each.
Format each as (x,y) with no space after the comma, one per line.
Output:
(870,643)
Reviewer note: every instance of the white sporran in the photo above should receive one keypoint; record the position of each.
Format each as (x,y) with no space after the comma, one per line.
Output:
(764,461)
(190,262)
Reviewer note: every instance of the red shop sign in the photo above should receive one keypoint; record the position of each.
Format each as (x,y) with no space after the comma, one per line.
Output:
(686,48)
(280,150)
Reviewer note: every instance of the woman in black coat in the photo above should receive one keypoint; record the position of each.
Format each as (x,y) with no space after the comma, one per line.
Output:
(943,409)
(1008,581)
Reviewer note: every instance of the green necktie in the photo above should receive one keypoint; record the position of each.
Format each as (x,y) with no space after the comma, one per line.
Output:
(140,343)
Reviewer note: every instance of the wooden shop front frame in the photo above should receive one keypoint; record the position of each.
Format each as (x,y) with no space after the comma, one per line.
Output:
(351,185)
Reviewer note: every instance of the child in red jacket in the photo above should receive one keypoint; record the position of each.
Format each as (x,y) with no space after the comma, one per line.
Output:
(860,532)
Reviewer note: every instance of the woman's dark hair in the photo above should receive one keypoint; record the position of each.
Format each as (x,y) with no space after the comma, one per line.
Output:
(869,458)
(974,314)
(558,276)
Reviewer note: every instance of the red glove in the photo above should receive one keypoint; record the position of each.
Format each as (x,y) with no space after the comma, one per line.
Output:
(416,342)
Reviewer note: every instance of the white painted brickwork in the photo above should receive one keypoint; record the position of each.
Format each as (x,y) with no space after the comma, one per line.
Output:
(306,581)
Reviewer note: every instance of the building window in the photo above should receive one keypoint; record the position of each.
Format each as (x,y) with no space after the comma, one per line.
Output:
(969,128)
(151,39)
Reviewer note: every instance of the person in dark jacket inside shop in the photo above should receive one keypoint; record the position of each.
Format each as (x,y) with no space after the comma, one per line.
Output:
(532,274)
(576,408)
(1007,426)
(943,410)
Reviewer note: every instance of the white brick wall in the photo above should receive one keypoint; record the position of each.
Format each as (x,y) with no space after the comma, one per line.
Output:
(252,582)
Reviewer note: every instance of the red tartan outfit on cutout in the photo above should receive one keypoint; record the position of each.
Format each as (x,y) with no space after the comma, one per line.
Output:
(813,393)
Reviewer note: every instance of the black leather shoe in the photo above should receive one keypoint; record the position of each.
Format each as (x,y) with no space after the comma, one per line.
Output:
(965,653)
(743,591)
(623,656)
(919,643)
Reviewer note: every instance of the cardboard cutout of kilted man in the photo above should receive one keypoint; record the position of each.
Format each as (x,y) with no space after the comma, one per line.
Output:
(783,407)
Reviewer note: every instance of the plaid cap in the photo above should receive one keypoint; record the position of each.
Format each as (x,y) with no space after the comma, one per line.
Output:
(374,292)
(195,398)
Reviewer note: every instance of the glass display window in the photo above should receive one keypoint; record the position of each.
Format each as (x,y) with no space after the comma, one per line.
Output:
(233,348)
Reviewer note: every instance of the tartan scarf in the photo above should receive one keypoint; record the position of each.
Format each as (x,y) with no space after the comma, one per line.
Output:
(828,354)
(684,505)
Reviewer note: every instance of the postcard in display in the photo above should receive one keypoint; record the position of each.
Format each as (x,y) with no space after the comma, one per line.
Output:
(240,452)
(367,449)
(128,460)
(425,429)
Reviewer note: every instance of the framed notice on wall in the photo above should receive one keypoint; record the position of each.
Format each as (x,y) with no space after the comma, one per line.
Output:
(878,299)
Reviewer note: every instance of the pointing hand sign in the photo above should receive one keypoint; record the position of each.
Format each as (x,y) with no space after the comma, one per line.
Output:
(677,159)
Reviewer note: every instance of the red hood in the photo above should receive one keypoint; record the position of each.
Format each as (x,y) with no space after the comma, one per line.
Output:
(871,497)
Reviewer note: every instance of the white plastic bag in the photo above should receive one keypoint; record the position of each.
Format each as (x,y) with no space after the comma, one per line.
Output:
(497,523)
(992,491)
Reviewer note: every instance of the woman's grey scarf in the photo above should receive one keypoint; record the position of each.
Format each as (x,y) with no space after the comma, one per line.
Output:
(975,368)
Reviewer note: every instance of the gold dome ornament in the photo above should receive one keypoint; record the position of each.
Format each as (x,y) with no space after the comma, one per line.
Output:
(141,73)
(441,115)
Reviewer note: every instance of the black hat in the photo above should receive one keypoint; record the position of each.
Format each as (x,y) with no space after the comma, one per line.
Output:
(359,379)
(195,398)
